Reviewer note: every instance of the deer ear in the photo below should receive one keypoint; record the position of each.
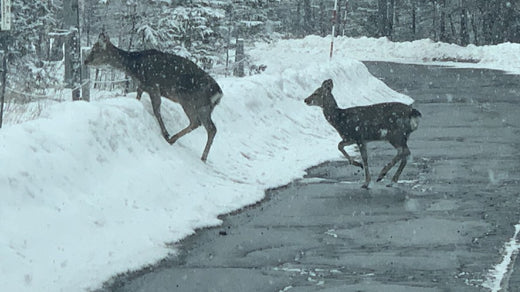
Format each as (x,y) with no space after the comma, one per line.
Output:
(328,84)
(103,40)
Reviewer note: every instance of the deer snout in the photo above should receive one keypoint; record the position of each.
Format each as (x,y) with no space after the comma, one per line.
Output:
(308,101)
(88,59)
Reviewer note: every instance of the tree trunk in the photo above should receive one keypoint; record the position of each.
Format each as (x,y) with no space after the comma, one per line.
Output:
(382,17)
(442,25)
(434,23)
(298,20)
(390,18)
(414,19)
(338,19)
(3,71)
(464,35)
(307,27)
(474,26)
(508,19)
(323,19)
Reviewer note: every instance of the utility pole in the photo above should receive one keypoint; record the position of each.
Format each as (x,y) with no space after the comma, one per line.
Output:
(72,47)
(5,27)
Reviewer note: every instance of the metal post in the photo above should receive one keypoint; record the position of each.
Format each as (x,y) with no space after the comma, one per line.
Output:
(239,59)
(85,78)
(72,47)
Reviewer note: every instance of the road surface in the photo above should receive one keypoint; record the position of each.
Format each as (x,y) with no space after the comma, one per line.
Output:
(442,228)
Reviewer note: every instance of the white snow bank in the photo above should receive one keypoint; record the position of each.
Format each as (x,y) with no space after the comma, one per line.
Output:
(92,189)
(499,272)
(501,57)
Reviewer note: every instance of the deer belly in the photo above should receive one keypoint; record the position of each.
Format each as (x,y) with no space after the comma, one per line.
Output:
(169,94)
(370,133)
(375,134)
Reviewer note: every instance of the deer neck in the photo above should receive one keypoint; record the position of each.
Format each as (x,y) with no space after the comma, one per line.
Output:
(121,59)
(330,106)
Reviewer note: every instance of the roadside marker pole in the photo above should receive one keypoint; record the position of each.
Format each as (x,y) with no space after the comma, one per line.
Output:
(333,27)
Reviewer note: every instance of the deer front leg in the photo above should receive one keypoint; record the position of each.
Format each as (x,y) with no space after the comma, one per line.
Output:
(155,97)
(139,93)
(192,126)
(364,156)
(341,148)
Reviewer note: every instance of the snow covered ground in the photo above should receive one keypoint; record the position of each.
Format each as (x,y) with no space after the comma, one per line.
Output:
(92,189)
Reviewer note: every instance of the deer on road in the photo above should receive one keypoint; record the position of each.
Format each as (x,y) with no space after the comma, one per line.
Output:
(171,76)
(391,121)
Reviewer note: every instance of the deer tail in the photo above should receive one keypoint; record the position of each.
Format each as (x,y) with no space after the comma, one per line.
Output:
(215,99)
(414,119)
(217,95)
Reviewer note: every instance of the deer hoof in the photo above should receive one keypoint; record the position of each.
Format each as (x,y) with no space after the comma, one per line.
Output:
(365,186)
(355,163)
(171,140)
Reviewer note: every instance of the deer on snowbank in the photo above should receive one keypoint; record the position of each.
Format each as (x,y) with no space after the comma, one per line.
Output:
(391,121)
(162,74)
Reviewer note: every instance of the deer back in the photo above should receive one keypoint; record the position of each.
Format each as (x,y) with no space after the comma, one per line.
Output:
(176,78)
(383,121)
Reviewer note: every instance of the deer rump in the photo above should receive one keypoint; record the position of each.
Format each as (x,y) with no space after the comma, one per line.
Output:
(176,77)
(392,121)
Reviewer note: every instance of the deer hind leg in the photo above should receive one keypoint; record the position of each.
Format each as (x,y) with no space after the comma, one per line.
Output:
(405,152)
(341,148)
(364,156)
(402,155)
(212,131)
(155,97)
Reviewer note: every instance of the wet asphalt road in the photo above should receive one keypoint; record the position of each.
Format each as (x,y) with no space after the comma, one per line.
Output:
(440,229)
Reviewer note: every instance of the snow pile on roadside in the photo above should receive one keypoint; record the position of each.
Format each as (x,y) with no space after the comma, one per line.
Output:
(497,274)
(501,57)
(92,189)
